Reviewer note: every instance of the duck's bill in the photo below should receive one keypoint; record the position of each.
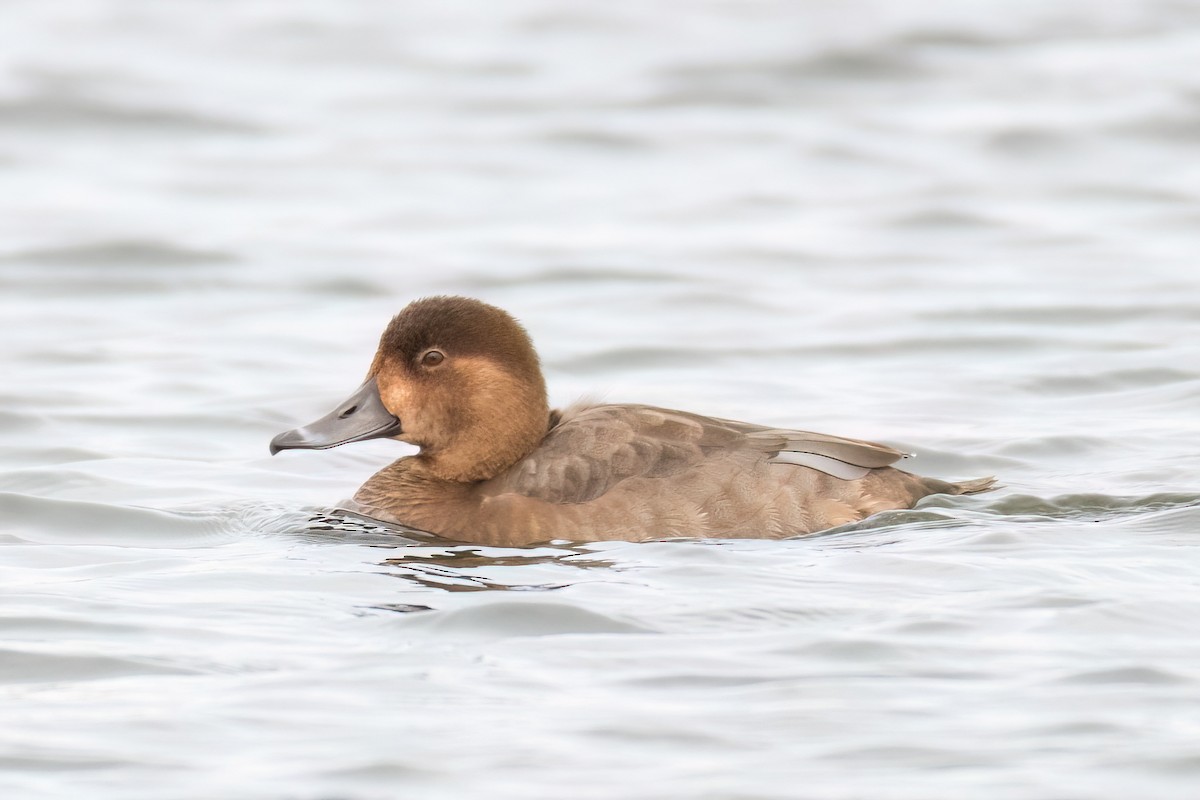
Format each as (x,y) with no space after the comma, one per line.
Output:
(360,416)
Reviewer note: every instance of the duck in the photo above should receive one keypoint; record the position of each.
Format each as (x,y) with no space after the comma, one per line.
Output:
(460,379)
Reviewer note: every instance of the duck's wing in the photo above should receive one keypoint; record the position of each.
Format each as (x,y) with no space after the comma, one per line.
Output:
(593,449)
(848,459)
(841,457)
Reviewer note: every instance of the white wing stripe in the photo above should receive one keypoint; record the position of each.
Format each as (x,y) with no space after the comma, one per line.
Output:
(830,466)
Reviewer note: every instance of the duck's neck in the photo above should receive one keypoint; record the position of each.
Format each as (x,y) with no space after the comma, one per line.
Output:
(505,420)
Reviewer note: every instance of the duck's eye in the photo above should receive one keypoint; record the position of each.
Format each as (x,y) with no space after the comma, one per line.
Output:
(432,358)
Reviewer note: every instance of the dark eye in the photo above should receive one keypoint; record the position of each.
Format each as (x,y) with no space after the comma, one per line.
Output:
(432,358)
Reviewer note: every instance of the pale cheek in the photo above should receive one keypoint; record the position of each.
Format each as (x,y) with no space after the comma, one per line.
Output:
(397,398)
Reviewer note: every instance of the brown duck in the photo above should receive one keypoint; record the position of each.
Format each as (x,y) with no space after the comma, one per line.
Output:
(460,379)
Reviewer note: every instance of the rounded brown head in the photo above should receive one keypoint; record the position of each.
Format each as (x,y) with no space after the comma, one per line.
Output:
(455,376)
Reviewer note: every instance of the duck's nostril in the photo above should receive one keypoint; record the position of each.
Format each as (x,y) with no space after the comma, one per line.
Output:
(348,412)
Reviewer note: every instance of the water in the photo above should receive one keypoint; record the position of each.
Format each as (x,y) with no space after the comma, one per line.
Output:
(970,232)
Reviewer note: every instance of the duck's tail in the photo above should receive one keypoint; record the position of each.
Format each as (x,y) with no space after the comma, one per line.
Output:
(976,486)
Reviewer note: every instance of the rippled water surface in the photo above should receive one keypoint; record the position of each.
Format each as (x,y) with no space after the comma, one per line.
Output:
(970,231)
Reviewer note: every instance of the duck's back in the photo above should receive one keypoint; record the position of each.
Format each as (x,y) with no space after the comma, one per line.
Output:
(637,472)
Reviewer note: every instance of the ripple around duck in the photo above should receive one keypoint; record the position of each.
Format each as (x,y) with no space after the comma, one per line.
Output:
(1180,520)
(47,520)
(469,556)
(32,457)
(502,619)
(21,627)
(978,515)
(18,666)
(329,524)
(1074,506)
(889,520)
(484,575)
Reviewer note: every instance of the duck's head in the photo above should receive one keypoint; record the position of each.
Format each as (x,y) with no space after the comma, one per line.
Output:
(454,376)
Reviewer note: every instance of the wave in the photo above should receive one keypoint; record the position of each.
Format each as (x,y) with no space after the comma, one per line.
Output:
(57,112)
(123,253)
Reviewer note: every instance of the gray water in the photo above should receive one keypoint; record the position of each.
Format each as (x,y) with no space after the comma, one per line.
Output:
(968,230)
